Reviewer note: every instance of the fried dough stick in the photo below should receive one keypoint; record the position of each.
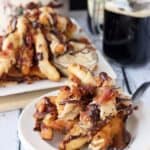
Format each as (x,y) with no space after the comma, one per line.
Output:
(104,138)
(7,59)
(45,114)
(81,73)
(69,102)
(34,71)
(15,40)
(45,18)
(75,139)
(10,46)
(44,65)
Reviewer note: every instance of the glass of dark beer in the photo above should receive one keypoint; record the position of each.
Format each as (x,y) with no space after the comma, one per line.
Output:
(126,36)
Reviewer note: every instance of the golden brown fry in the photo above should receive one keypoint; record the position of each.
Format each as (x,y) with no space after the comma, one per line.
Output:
(75,144)
(47,121)
(75,139)
(26,56)
(104,80)
(104,138)
(47,103)
(15,40)
(44,65)
(57,48)
(61,23)
(99,123)
(61,125)
(63,94)
(45,19)
(10,45)
(77,46)
(46,133)
(40,106)
(82,74)
(71,29)
(36,72)
(52,99)
(66,110)
(7,59)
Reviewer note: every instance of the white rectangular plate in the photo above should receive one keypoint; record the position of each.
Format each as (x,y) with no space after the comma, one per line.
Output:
(103,66)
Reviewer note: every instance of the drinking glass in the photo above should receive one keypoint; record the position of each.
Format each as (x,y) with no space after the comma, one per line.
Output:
(95,14)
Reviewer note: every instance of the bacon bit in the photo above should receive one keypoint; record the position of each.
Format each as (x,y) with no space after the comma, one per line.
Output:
(29,40)
(69,101)
(60,48)
(94,112)
(54,16)
(74,79)
(84,40)
(37,126)
(70,25)
(62,125)
(37,14)
(47,100)
(65,88)
(10,46)
(1,41)
(103,76)
(34,15)
(69,47)
(87,90)
(106,95)
(32,5)
(55,4)
(5,53)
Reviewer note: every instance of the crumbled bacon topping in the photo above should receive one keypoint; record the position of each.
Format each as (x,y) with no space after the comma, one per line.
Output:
(32,5)
(106,94)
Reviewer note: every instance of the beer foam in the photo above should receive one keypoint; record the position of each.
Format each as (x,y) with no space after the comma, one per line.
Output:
(123,7)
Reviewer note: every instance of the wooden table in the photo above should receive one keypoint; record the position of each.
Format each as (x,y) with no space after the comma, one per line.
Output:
(128,78)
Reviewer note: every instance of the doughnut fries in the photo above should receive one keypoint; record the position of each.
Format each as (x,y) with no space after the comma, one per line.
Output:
(36,43)
(91,111)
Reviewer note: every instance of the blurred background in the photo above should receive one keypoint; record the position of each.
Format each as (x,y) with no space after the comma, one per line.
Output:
(78,4)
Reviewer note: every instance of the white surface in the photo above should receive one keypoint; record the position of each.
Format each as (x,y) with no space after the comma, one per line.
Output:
(136,76)
(31,140)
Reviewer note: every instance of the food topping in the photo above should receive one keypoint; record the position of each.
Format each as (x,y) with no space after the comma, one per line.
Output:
(87,113)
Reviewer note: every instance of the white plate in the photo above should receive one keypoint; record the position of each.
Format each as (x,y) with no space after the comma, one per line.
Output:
(138,125)
(103,66)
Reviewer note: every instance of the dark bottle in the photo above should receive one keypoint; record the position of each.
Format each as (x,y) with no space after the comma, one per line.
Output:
(126,36)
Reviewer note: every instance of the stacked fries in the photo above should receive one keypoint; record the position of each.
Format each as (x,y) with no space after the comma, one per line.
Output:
(34,41)
(92,110)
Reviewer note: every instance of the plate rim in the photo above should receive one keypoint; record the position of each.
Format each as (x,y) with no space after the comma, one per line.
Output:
(27,145)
